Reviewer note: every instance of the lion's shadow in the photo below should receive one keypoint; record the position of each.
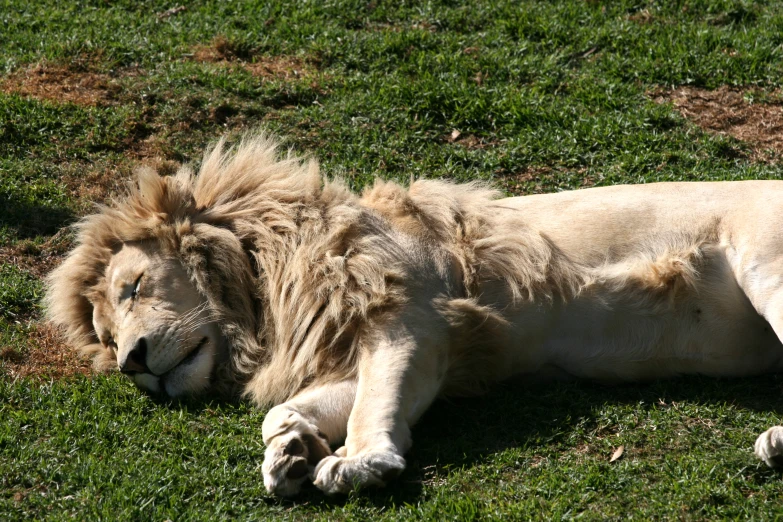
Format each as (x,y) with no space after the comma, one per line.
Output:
(460,432)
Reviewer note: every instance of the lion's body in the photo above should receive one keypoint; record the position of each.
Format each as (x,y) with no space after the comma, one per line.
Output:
(356,312)
(671,278)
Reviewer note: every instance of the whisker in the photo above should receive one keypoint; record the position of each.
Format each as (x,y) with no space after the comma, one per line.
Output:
(193,319)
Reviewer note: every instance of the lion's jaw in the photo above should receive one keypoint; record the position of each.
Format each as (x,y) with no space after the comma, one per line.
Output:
(160,328)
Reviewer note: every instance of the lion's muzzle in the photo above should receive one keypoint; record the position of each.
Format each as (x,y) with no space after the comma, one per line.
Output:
(136,359)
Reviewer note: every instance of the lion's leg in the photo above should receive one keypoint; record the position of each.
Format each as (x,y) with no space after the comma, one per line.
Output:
(769,445)
(399,377)
(297,434)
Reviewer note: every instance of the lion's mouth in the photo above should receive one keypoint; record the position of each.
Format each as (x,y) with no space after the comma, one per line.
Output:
(159,385)
(191,356)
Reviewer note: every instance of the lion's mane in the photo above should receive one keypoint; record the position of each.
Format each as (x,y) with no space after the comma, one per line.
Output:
(298,268)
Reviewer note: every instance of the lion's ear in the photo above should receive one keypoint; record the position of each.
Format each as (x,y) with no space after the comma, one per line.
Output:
(220,267)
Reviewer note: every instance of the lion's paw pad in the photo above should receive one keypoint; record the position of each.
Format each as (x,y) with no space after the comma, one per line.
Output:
(344,474)
(289,460)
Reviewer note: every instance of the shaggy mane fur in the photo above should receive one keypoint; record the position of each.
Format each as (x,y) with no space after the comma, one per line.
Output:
(297,268)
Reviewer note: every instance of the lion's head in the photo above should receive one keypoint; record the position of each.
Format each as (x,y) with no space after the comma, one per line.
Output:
(149,315)
(254,276)
(163,284)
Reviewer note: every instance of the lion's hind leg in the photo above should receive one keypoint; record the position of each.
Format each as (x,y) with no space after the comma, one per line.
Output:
(769,447)
(758,272)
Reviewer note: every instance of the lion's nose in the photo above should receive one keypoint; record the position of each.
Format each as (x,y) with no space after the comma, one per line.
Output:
(136,360)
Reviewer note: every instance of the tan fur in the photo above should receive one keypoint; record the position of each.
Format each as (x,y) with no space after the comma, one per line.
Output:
(320,258)
(356,312)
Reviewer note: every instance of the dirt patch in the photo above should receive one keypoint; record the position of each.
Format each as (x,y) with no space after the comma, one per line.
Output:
(46,356)
(77,84)
(38,259)
(96,182)
(219,50)
(642,17)
(60,84)
(470,141)
(532,180)
(223,52)
(280,67)
(99,182)
(729,111)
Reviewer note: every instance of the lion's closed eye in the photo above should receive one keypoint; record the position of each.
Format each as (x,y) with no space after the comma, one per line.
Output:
(132,291)
(136,287)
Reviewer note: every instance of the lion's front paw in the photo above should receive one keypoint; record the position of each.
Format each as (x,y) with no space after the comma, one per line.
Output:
(291,456)
(336,474)
(769,447)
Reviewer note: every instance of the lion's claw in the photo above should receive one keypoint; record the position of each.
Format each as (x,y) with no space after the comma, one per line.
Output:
(336,474)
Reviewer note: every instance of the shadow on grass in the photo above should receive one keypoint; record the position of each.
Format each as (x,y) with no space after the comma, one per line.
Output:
(31,220)
(463,432)
(460,433)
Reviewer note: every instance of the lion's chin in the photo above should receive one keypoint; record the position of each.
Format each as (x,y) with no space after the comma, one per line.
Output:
(189,378)
(147,382)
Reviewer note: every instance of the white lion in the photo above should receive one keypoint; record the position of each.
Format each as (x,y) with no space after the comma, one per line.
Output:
(352,314)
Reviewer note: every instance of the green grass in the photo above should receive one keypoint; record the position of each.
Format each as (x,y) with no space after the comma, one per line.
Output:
(19,293)
(98,449)
(557,92)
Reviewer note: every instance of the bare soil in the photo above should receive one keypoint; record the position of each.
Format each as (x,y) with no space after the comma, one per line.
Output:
(222,52)
(46,356)
(729,111)
(58,83)
(37,259)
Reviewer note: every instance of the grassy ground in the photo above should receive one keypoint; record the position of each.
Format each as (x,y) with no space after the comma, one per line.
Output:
(533,96)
